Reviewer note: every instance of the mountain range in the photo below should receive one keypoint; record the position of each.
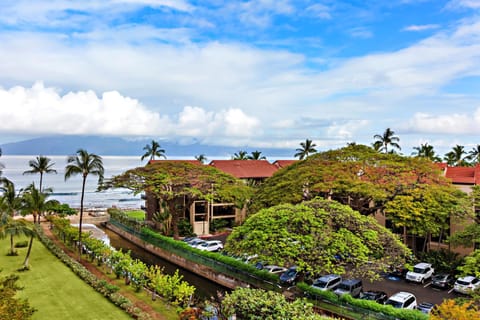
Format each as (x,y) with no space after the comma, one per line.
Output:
(113,146)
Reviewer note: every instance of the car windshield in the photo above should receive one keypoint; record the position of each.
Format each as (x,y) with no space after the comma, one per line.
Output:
(369,296)
(344,286)
(463,283)
(440,277)
(395,304)
(419,270)
(290,273)
(320,284)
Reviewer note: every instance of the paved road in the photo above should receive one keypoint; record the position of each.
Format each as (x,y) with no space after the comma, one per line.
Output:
(423,292)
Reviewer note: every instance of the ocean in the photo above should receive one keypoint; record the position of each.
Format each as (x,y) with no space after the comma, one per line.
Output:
(70,191)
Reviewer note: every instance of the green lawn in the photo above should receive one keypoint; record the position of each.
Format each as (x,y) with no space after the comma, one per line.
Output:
(136,214)
(54,290)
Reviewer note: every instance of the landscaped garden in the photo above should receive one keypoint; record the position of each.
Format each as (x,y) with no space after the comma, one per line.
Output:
(53,289)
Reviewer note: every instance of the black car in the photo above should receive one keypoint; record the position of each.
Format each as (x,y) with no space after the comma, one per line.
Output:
(425,307)
(377,296)
(443,280)
(290,277)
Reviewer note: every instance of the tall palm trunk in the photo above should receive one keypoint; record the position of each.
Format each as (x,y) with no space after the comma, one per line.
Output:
(41,179)
(81,216)
(27,257)
(12,248)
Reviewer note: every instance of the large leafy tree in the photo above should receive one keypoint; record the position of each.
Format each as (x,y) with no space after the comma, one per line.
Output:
(426,151)
(319,236)
(84,164)
(386,140)
(41,165)
(11,307)
(257,304)
(177,184)
(306,148)
(153,150)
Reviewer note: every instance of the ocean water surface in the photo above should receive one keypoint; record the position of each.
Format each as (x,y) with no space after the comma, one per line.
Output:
(70,191)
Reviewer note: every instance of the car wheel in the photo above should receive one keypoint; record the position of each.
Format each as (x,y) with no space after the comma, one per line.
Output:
(423,281)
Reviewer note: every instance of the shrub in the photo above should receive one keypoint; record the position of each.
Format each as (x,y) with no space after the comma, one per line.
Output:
(21,244)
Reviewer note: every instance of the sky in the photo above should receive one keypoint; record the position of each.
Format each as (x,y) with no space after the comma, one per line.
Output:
(257,73)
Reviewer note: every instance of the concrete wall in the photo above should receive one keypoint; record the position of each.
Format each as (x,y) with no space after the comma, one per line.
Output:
(199,269)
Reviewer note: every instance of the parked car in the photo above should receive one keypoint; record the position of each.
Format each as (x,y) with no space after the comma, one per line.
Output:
(274,269)
(351,286)
(377,296)
(211,245)
(196,242)
(466,284)
(421,272)
(443,280)
(402,300)
(426,307)
(328,282)
(290,276)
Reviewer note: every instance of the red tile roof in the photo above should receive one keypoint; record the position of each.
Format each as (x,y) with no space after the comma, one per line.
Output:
(283,163)
(463,175)
(244,169)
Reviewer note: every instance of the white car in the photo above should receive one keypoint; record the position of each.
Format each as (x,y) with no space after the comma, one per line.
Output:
(196,242)
(211,245)
(274,269)
(421,272)
(466,284)
(402,300)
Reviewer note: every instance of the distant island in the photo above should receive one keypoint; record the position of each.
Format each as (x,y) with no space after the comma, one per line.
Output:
(112,146)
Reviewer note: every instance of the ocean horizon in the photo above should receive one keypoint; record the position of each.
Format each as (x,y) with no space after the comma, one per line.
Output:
(69,191)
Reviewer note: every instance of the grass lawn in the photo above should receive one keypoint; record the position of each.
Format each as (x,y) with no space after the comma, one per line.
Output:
(54,290)
(136,214)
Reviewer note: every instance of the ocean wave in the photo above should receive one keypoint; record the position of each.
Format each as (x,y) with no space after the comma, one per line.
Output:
(64,193)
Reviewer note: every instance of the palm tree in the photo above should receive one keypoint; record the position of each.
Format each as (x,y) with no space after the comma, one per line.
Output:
(84,163)
(474,154)
(456,156)
(256,155)
(35,202)
(153,150)
(387,139)
(240,155)
(41,165)
(201,157)
(14,228)
(307,148)
(426,151)
(10,201)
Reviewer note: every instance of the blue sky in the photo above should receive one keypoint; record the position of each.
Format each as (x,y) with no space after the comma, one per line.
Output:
(265,73)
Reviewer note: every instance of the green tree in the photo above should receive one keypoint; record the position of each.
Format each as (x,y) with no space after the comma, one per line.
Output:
(385,140)
(256,155)
(474,154)
(426,151)
(11,307)
(201,157)
(36,203)
(306,148)
(257,304)
(471,265)
(456,156)
(85,164)
(318,236)
(14,228)
(177,184)
(240,155)
(41,165)
(10,200)
(450,309)
(153,150)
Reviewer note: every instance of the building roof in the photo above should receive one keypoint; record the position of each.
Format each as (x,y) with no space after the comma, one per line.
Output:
(463,175)
(244,169)
(283,163)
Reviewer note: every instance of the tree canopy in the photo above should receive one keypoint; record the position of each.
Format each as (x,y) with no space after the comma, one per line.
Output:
(319,236)
(175,181)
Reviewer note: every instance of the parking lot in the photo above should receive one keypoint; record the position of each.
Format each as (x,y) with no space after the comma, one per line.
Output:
(423,292)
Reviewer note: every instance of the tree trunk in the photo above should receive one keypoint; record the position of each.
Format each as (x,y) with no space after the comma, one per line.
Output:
(404,235)
(81,217)
(174,215)
(12,248)
(27,257)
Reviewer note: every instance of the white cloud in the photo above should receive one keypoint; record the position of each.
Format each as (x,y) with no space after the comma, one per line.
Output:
(454,123)
(472,4)
(319,10)
(421,27)
(42,110)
